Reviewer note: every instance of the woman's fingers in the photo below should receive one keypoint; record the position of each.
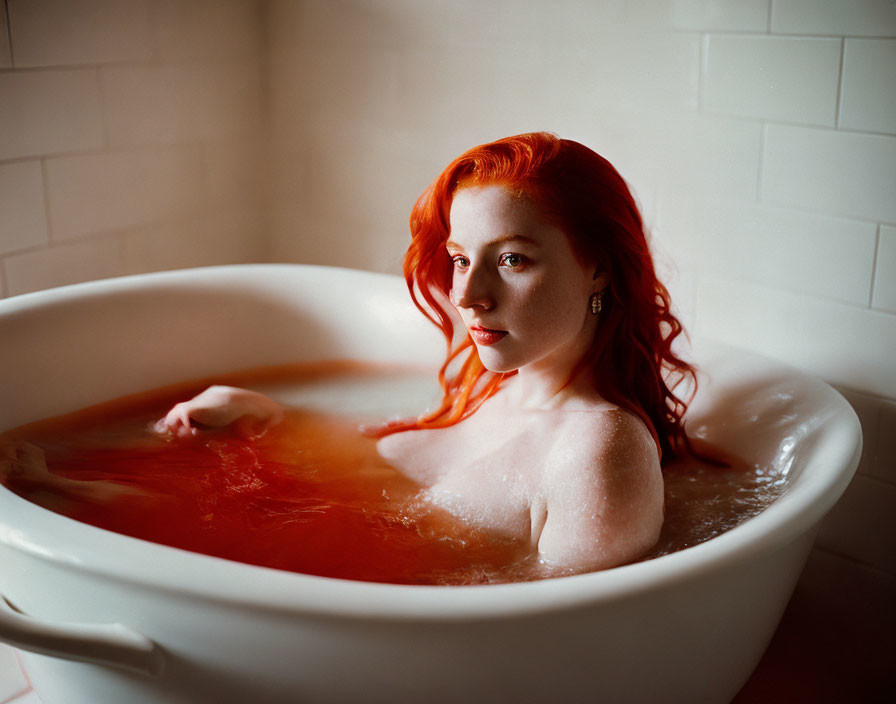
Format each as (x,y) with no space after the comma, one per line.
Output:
(176,422)
(220,406)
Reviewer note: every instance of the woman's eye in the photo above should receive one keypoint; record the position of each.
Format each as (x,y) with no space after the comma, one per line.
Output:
(460,261)
(514,261)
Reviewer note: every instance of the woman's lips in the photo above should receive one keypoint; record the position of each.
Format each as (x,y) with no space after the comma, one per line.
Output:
(486,336)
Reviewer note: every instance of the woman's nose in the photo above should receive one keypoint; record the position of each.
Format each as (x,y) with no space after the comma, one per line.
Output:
(472,290)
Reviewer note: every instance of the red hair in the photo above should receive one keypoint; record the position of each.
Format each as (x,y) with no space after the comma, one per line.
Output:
(630,359)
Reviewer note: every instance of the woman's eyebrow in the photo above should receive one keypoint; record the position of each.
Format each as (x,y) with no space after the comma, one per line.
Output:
(498,240)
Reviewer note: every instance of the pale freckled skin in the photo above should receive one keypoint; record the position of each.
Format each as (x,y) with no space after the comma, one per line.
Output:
(584,486)
(219,406)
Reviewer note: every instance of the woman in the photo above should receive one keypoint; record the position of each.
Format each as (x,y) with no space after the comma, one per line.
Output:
(529,253)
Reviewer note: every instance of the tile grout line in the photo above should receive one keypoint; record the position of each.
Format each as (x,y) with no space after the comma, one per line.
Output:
(855,562)
(840,83)
(763,130)
(772,287)
(805,209)
(136,64)
(701,70)
(133,149)
(45,183)
(153,63)
(880,481)
(791,123)
(99,76)
(12,60)
(71,240)
(728,32)
(874,266)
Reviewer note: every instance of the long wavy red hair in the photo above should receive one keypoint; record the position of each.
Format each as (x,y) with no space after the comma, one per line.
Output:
(630,359)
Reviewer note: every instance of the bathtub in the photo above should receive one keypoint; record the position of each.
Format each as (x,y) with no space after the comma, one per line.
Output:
(107,618)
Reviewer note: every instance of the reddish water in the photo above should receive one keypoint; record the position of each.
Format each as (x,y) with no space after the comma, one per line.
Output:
(313,496)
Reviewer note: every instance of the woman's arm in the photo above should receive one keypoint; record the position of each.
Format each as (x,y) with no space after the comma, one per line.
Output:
(252,413)
(23,468)
(604,499)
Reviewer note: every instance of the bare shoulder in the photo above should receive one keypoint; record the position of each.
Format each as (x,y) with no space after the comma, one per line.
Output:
(595,441)
(418,454)
(603,489)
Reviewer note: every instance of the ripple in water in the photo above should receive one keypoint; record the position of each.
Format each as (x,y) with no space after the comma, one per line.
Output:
(312,495)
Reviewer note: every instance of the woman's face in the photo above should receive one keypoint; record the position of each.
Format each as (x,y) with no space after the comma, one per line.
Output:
(522,294)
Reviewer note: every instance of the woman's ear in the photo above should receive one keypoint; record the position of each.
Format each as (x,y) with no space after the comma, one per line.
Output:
(599,281)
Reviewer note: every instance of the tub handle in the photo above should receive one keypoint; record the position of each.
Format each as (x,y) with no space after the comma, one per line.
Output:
(99,644)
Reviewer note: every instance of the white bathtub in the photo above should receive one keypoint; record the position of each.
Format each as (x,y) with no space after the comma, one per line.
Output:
(121,620)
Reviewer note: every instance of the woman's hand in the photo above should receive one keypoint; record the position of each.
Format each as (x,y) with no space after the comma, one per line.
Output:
(219,406)
(24,466)
(24,461)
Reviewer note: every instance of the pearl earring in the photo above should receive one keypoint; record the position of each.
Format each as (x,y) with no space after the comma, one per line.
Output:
(596,301)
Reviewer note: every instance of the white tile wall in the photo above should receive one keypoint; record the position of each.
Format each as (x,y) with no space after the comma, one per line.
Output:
(863,523)
(235,174)
(220,239)
(133,113)
(49,112)
(388,203)
(884,466)
(174,103)
(34,270)
(878,418)
(288,104)
(874,18)
(323,23)
(868,97)
(791,79)
(676,226)
(151,104)
(835,172)
(207,28)
(115,190)
(841,343)
(23,217)
(823,256)
(721,15)
(72,32)
(461,23)
(885,275)
(711,156)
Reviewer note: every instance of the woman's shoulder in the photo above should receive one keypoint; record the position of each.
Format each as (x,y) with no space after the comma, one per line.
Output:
(603,491)
(602,438)
(605,425)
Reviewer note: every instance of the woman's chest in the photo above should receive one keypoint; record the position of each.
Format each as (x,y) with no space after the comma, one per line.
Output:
(488,473)
(494,496)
